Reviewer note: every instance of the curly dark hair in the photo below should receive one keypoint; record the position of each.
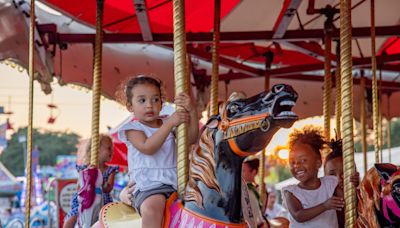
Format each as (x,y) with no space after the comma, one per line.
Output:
(124,93)
(336,146)
(309,135)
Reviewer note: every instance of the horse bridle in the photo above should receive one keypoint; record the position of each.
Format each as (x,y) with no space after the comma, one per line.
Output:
(240,126)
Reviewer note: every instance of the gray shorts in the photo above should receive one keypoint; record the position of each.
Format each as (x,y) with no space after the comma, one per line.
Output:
(139,196)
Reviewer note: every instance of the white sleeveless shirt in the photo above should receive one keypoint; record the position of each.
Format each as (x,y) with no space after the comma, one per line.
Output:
(150,171)
(311,198)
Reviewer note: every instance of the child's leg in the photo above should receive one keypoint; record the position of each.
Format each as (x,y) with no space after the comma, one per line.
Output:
(152,211)
(70,222)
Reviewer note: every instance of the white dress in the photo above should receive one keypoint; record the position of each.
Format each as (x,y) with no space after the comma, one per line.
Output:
(150,171)
(311,198)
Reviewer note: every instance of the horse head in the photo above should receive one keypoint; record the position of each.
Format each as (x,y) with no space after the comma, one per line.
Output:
(243,127)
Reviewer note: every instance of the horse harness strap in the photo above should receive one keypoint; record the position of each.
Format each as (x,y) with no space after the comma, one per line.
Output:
(240,126)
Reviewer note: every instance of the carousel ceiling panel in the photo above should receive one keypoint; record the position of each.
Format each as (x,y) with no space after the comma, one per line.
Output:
(386,13)
(14,37)
(254,15)
(121,16)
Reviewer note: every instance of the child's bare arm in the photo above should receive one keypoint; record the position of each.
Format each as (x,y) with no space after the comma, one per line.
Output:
(302,215)
(150,145)
(110,183)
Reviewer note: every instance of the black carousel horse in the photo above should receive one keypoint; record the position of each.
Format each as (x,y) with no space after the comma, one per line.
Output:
(243,127)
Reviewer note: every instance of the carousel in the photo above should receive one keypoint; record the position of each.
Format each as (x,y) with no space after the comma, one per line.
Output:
(289,57)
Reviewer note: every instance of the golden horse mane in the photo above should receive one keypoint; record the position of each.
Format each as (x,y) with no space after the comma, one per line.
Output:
(202,166)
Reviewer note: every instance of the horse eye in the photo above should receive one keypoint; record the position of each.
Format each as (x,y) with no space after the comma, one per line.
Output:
(233,108)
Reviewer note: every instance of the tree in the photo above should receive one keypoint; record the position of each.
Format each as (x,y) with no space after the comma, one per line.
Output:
(394,136)
(395,132)
(50,145)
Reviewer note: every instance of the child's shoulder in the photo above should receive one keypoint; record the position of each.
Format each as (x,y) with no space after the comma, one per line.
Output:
(133,124)
(290,188)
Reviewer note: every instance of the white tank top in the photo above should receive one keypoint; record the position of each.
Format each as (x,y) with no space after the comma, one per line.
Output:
(150,171)
(311,198)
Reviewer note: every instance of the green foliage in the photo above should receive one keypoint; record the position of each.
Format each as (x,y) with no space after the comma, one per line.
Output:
(395,132)
(394,137)
(284,172)
(50,145)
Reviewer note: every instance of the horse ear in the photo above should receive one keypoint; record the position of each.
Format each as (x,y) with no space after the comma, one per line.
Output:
(386,170)
(237,96)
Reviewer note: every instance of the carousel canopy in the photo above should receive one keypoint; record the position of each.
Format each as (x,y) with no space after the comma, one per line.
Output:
(279,39)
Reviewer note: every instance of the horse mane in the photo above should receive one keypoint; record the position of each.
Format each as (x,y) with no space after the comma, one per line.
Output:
(202,168)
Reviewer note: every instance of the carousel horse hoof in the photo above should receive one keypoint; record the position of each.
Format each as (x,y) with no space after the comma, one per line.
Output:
(279,222)
(118,215)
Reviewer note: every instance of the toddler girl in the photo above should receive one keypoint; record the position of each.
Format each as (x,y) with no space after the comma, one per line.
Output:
(105,155)
(151,145)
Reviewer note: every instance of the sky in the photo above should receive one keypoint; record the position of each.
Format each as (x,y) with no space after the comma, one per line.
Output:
(74,108)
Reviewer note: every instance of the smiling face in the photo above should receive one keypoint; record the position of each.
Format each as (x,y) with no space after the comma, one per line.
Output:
(146,103)
(304,163)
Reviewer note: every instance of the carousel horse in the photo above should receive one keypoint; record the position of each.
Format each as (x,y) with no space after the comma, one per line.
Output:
(379,197)
(89,196)
(212,198)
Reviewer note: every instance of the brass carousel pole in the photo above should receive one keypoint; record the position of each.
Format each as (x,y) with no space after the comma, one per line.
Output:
(226,89)
(181,85)
(30,116)
(380,108)
(338,106)
(363,122)
(389,129)
(215,59)
(347,110)
(263,189)
(375,111)
(96,87)
(327,99)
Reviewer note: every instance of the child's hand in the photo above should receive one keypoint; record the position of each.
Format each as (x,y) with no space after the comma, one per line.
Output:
(335,203)
(180,116)
(355,179)
(183,100)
